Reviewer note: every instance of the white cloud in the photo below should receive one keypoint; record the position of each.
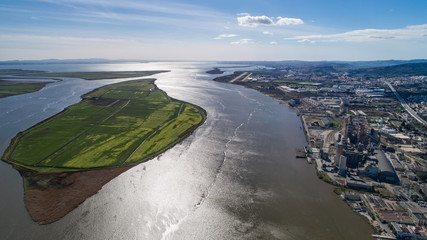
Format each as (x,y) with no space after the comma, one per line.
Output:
(134,12)
(267,33)
(247,20)
(273,43)
(367,35)
(221,36)
(243,14)
(144,6)
(289,21)
(254,21)
(242,41)
(305,40)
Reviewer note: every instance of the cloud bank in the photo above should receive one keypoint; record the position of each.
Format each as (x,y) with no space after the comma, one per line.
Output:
(247,20)
(367,35)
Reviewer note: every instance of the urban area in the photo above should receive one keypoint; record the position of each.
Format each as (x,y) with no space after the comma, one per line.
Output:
(366,129)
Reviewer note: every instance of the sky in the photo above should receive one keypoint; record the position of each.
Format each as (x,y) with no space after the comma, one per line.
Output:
(232,30)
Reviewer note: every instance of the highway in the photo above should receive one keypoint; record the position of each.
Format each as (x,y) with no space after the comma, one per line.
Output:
(406,106)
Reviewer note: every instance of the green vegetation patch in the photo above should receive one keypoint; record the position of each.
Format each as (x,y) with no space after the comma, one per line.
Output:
(99,75)
(17,71)
(117,125)
(11,88)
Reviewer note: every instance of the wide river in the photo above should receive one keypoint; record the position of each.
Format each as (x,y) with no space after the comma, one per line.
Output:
(236,177)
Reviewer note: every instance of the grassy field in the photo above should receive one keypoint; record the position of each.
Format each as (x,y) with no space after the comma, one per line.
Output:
(117,125)
(98,75)
(10,89)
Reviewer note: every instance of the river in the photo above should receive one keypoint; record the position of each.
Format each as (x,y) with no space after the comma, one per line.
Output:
(236,177)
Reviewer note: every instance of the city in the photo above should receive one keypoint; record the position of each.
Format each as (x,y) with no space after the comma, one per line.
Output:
(183,119)
(364,138)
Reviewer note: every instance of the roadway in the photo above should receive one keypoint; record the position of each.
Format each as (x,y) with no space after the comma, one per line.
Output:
(406,106)
(238,77)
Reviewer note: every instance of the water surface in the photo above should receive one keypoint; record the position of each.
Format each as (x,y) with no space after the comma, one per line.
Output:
(236,177)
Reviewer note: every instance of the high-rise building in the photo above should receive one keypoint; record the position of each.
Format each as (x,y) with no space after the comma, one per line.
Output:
(340,149)
(344,106)
(343,166)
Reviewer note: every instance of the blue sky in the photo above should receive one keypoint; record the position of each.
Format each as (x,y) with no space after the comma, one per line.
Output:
(213,30)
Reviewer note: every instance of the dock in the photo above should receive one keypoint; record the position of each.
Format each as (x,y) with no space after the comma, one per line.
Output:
(300,153)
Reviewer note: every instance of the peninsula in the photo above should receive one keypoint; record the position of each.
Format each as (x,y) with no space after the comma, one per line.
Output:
(70,156)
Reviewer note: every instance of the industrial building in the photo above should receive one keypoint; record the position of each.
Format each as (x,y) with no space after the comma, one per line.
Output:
(386,170)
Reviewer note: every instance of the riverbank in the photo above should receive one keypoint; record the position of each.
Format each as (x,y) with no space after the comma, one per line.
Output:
(240,78)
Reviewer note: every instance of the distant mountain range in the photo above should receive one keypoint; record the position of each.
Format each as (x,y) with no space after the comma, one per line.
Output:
(408,69)
(382,63)
(387,68)
(338,65)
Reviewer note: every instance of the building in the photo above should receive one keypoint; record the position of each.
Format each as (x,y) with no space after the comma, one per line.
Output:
(394,216)
(326,122)
(419,219)
(386,170)
(343,166)
(354,158)
(340,150)
(370,171)
(352,197)
(344,106)
(359,185)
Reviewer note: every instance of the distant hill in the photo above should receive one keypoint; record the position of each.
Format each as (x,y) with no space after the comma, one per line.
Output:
(332,65)
(410,69)
(382,63)
(65,61)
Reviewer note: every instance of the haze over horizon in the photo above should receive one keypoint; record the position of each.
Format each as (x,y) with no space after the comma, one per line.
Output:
(213,30)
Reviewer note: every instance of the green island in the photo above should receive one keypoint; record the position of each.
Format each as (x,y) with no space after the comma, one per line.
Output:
(11,88)
(67,158)
(114,126)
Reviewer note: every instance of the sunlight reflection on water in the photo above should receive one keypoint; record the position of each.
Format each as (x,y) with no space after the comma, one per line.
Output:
(235,177)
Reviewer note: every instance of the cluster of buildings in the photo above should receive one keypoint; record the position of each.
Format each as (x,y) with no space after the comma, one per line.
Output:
(404,220)
(355,132)
(363,140)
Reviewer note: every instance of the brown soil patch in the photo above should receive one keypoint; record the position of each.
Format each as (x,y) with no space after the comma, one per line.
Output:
(49,205)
